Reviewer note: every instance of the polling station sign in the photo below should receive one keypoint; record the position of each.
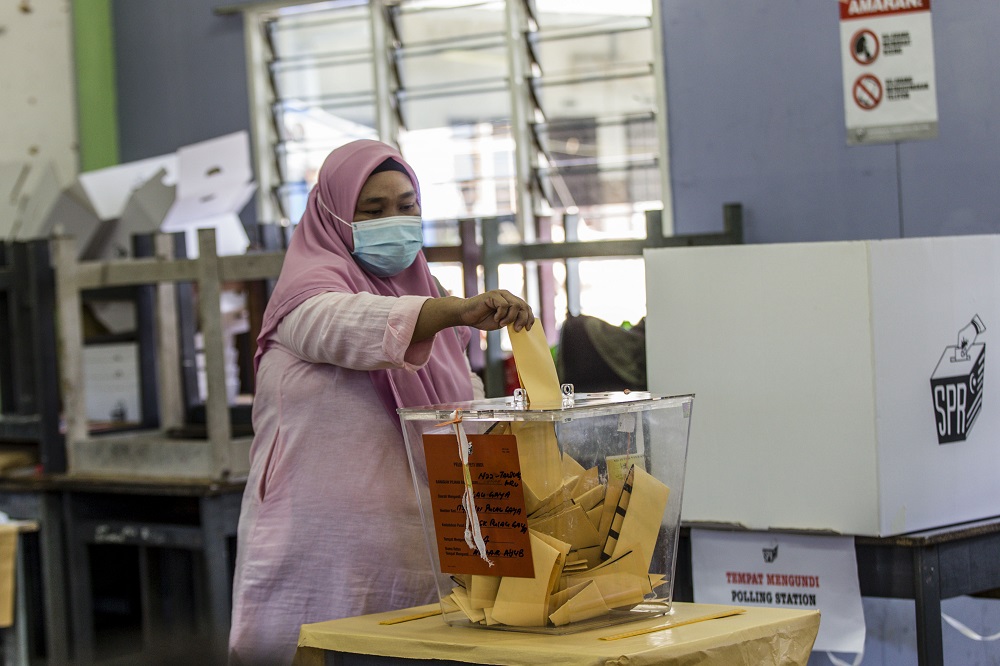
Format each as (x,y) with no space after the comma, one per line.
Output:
(795,571)
(887,55)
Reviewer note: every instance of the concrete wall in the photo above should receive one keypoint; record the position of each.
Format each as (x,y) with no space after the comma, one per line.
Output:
(37,101)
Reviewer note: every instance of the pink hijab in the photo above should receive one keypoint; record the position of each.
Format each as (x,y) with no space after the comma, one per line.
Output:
(319,260)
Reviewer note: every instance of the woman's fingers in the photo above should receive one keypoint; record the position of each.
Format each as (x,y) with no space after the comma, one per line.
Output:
(514,311)
(502,308)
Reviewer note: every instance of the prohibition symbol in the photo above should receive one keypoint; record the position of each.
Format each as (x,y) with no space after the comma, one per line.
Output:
(867,92)
(864,47)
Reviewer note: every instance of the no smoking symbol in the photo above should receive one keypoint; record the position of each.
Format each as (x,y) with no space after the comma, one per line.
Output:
(867,92)
(864,47)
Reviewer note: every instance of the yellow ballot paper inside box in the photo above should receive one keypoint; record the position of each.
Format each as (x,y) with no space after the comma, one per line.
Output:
(483,591)
(570,467)
(643,518)
(571,525)
(524,602)
(541,467)
(583,603)
(622,581)
(586,482)
(591,498)
(460,597)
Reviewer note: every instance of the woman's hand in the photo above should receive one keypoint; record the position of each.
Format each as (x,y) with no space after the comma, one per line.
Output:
(495,309)
(488,311)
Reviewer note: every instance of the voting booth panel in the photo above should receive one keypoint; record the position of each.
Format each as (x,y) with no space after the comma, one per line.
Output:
(841,386)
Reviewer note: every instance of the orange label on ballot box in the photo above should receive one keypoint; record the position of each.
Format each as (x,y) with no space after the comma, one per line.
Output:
(495,475)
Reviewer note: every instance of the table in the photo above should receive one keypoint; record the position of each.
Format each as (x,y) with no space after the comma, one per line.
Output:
(757,637)
(176,536)
(45,585)
(927,567)
(190,524)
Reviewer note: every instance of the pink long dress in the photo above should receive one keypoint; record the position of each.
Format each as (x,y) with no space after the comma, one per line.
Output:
(329,525)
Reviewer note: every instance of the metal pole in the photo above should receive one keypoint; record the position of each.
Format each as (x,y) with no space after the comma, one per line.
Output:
(520,117)
(662,133)
(385,116)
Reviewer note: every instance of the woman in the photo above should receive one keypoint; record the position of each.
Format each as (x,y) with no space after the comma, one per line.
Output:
(355,329)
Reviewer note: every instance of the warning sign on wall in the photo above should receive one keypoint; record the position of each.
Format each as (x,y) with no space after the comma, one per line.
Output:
(887,51)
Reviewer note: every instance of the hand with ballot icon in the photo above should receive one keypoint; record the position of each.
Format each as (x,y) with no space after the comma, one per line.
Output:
(967,337)
(957,383)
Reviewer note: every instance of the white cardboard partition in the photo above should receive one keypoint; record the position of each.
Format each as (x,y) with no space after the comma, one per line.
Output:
(827,397)
(214,183)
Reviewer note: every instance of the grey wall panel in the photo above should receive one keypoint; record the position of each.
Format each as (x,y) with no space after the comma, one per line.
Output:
(952,185)
(756,116)
(181,75)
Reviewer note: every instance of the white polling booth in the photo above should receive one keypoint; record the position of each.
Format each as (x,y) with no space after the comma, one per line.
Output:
(841,386)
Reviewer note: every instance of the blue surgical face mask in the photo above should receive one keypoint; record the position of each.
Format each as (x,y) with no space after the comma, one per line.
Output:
(385,246)
(388,245)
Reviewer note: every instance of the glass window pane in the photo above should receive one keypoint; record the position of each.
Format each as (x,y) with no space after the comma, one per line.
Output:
(450,276)
(591,186)
(293,197)
(629,91)
(462,107)
(454,66)
(587,141)
(613,289)
(465,171)
(561,52)
(441,232)
(610,222)
(577,12)
(301,122)
(420,22)
(323,79)
(332,31)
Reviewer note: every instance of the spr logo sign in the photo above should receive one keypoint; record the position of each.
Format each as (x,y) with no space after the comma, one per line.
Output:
(957,384)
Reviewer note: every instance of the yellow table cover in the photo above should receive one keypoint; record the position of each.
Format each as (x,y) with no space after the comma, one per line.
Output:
(759,636)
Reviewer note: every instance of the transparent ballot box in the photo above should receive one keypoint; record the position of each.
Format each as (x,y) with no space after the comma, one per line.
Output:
(551,519)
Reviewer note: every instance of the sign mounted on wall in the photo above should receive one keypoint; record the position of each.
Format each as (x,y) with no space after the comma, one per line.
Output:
(887,54)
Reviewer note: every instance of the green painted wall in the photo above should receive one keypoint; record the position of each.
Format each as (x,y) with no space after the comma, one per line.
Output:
(96,91)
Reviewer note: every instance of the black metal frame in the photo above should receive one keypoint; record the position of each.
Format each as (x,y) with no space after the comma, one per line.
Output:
(198,517)
(29,376)
(46,591)
(928,567)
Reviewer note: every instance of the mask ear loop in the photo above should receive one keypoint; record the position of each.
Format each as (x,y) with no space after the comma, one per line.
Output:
(473,534)
(322,205)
